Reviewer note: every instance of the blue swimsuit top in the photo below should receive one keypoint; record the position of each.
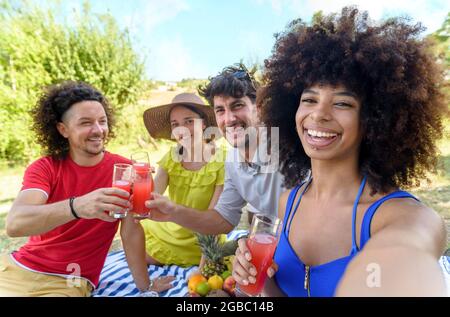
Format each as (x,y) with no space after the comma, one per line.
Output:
(297,279)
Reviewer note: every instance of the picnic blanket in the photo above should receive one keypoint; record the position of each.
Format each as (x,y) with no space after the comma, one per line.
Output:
(116,279)
(444,262)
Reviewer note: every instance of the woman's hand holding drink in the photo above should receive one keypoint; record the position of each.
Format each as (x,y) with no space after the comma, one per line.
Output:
(253,262)
(142,184)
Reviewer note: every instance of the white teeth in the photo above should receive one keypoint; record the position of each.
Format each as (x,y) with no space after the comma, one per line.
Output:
(321,134)
(237,128)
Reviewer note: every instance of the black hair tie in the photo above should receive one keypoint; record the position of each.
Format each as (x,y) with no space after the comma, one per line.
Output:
(72,210)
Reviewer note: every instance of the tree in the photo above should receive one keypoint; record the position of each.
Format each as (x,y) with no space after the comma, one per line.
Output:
(441,41)
(441,38)
(37,50)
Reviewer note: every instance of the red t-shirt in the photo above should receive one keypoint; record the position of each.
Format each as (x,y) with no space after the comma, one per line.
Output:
(79,246)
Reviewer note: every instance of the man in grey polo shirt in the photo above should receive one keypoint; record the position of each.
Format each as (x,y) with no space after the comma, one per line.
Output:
(251,174)
(256,183)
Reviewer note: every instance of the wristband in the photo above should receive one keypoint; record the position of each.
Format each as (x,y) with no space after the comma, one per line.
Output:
(72,210)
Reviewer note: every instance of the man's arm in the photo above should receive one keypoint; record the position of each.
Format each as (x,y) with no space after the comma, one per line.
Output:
(205,222)
(220,219)
(30,215)
(401,258)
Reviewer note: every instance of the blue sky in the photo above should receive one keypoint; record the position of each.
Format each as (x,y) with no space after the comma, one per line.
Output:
(197,38)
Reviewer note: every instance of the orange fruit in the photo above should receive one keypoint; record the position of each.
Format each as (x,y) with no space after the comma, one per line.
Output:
(194,280)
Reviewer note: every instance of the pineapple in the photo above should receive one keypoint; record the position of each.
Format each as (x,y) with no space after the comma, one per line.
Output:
(214,252)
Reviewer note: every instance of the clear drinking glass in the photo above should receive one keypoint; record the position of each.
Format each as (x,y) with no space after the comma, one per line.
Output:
(140,160)
(262,242)
(142,184)
(122,178)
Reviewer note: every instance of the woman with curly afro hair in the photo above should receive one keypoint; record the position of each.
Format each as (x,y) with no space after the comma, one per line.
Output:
(359,109)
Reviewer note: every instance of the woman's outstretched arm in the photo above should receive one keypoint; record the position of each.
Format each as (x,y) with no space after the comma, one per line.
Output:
(401,259)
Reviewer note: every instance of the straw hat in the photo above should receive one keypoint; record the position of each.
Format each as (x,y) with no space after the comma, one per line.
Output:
(157,119)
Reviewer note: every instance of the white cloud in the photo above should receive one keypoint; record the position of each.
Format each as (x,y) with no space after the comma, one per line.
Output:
(171,60)
(157,11)
(277,5)
(151,13)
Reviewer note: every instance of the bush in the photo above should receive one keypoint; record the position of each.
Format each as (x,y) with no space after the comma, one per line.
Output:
(36,51)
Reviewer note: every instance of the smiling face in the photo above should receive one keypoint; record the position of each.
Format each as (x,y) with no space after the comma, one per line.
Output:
(85,126)
(183,117)
(328,122)
(234,116)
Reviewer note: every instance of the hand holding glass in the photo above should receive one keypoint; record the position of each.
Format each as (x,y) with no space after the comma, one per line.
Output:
(262,242)
(142,184)
(140,161)
(122,178)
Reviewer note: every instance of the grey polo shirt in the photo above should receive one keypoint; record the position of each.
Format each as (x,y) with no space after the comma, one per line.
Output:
(248,183)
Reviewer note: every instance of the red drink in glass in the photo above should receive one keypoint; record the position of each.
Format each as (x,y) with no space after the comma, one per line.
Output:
(140,168)
(125,185)
(142,189)
(262,248)
(263,239)
(122,178)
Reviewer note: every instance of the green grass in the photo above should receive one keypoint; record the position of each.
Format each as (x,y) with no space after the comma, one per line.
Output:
(10,183)
(437,194)
(8,244)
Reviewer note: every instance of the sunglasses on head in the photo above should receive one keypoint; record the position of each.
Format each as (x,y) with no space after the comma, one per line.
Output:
(244,75)
(241,74)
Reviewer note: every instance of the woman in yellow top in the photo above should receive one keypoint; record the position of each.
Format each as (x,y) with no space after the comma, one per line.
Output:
(194,173)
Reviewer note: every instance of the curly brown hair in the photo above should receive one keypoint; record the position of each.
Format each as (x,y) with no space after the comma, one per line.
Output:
(235,81)
(50,108)
(392,71)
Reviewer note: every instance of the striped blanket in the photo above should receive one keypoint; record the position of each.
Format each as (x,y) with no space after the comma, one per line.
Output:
(116,279)
(444,262)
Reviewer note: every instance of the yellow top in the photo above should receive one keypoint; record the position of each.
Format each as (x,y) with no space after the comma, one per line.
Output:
(168,242)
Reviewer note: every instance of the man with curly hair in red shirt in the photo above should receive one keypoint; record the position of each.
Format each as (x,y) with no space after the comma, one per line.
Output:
(64,196)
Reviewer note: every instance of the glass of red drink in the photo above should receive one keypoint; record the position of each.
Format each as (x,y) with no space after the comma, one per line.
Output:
(262,242)
(142,184)
(140,161)
(122,178)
